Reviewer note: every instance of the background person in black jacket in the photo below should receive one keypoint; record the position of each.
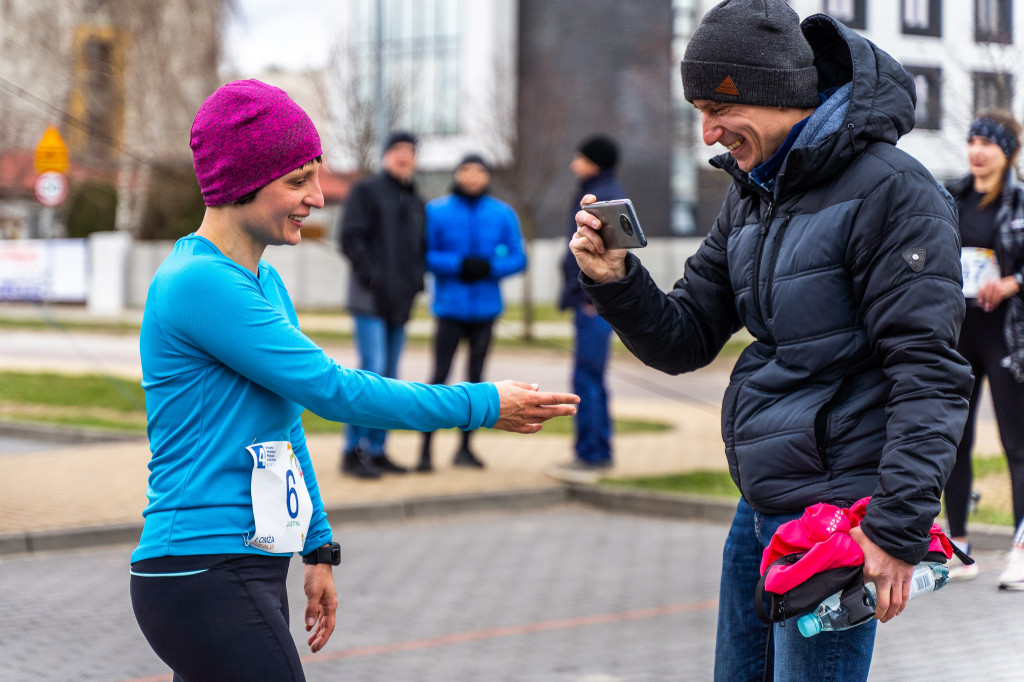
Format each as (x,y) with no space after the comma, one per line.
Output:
(839,254)
(383,236)
(593,164)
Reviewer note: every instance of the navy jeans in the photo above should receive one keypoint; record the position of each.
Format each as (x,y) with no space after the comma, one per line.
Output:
(380,346)
(741,649)
(593,423)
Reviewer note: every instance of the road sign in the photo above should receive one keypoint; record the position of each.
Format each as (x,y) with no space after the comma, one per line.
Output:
(51,152)
(51,189)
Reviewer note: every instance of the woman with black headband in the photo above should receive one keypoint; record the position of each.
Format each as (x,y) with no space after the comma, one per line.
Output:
(991,205)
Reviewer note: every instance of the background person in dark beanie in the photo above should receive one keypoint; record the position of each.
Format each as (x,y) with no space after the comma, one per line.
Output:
(594,166)
(839,254)
(473,241)
(990,205)
(382,235)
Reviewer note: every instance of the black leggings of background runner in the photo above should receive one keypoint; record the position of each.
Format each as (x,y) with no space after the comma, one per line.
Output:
(983,346)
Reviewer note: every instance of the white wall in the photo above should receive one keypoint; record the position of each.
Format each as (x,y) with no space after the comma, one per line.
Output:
(316,274)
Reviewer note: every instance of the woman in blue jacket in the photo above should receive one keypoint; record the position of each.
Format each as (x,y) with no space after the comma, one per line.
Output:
(473,241)
(232,491)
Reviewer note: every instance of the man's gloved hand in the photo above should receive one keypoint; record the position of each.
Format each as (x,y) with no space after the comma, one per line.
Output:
(474,268)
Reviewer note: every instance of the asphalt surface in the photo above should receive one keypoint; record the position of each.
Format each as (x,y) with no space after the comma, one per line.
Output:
(569,594)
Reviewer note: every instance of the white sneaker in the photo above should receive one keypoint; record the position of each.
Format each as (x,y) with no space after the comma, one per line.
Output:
(1012,577)
(960,572)
(578,471)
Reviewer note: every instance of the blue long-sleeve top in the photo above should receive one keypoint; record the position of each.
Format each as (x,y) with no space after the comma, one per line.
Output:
(224,365)
(460,226)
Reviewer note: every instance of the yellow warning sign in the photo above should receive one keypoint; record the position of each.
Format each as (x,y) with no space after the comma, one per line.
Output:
(51,152)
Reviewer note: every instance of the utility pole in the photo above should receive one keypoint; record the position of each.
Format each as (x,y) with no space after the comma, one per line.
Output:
(380,101)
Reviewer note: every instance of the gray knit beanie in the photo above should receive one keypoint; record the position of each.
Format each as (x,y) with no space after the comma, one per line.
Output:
(750,52)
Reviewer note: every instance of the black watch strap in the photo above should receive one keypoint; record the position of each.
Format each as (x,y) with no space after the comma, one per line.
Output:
(331,554)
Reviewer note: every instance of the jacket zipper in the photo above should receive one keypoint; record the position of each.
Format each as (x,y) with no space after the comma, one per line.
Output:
(823,424)
(771,267)
(761,239)
(474,246)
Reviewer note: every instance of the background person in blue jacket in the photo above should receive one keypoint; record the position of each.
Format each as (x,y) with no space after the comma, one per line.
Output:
(594,166)
(232,492)
(473,241)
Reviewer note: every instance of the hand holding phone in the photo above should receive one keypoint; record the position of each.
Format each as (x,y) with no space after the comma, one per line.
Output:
(597,262)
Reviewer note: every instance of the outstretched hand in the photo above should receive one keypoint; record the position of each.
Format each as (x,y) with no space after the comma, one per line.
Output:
(598,263)
(524,408)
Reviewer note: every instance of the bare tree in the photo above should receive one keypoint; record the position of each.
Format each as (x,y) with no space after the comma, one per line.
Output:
(354,109)
(529,130)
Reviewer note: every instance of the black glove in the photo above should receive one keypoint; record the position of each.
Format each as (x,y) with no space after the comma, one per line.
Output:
(474,268)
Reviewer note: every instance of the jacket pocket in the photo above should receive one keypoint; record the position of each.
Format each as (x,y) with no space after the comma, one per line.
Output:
(823,425)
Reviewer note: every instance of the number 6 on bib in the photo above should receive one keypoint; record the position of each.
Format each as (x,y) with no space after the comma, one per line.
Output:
(280,500)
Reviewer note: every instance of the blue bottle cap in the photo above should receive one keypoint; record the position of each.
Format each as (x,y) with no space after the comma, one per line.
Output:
(809,625)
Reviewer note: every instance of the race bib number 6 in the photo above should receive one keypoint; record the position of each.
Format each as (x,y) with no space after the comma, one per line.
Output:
(979,267)
(280,499)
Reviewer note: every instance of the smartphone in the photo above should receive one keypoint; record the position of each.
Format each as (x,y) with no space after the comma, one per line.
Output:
(620,228)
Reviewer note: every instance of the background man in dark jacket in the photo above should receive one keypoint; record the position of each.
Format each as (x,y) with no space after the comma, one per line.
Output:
(473,242)
(594,166)
(839,253)
(382,235)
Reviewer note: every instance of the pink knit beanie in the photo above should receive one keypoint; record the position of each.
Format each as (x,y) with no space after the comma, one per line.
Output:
(246,135)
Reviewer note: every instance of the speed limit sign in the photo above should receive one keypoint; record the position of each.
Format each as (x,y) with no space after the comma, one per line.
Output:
(51,189)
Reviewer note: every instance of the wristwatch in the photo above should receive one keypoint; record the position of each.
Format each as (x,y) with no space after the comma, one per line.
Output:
(329,554)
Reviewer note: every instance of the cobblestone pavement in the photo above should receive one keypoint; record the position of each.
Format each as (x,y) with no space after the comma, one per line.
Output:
(563,595)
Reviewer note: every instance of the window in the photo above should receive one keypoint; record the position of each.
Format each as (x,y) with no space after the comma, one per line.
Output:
(853,13)
(419,60)
(922,17)
(992,90)
(993,21)
(928,82)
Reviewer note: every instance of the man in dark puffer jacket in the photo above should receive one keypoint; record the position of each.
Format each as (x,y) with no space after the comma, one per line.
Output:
(839,253)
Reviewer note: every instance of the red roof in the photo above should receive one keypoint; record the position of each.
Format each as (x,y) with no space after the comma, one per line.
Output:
(335,186)
(17,171)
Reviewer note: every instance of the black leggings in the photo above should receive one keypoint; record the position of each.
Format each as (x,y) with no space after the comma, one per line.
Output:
(217,617)
(446,342)
(449,333)
(983,346)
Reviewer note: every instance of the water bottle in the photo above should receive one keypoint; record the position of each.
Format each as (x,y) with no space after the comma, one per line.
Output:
(841,613)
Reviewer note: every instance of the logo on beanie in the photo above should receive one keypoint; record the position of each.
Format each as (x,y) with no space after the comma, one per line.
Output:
(727,87)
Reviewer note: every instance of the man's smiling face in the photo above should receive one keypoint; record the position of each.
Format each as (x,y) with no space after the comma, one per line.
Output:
(752,134)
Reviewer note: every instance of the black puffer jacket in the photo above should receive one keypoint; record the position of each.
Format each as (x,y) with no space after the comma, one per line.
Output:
(383,234)
(848,277)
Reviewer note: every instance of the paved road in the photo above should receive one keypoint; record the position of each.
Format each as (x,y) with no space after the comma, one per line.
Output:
(563,595)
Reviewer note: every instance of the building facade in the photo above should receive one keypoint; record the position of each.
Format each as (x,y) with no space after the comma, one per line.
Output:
(965,56)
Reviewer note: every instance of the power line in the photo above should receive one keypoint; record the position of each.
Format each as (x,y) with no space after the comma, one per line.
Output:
(95,133)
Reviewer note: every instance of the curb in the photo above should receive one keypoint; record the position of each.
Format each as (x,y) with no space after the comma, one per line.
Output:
(984,537)
(372,512)
(648,503)
(65,435)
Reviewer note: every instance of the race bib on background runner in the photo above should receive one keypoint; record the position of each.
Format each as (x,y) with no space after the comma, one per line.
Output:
(280,499)
(979,267)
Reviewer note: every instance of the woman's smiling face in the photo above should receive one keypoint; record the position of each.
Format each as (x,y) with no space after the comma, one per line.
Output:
(276,214)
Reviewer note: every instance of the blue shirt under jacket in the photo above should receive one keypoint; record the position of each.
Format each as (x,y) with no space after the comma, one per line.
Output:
(457,227)
(224,365)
